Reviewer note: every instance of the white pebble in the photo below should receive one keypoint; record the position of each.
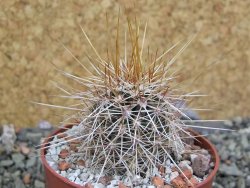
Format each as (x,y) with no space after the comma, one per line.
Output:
(168,162)
(78,181)
(69,170)
(204,151)
(185,164)
(114,182)
(84,177)
(55,157)
(52,151)
(173,175)
(48,158)
(72,175)
(99,185)
(77,172)
(193,156)
(91,177)
(137,177)
(63,173)
(127,181)
(84,170)
(151,186)
(117,177)
(156,172)
(145,180)
(58,150)
(71,178)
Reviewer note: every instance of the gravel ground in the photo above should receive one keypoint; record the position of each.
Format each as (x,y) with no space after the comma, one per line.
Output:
(21,168)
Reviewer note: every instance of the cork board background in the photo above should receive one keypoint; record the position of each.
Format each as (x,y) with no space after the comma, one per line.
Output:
(30,31)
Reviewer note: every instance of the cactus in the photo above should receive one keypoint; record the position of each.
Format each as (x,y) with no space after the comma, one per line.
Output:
(130,115)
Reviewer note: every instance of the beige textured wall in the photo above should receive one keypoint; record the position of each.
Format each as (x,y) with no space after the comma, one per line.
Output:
(30,31)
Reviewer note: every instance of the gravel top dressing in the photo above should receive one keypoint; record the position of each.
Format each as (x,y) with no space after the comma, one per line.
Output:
(193,167)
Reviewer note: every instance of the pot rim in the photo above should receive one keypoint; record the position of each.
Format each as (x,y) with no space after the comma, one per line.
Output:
(202,139)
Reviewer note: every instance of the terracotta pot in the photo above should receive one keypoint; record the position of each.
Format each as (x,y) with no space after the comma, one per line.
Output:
(206,144)
(54,180)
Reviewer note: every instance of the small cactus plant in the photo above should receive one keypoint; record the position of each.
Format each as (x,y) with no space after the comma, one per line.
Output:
(130,116)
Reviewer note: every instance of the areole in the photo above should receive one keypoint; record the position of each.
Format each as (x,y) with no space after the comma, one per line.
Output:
(54,180)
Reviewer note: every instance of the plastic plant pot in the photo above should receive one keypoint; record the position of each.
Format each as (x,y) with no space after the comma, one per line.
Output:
(54,180)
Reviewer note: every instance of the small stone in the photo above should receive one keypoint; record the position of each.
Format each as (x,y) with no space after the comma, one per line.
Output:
(71,178)
(168,162)
(89,185)
(63,173)
(216,185)
(185,164)
(6,163)
(232,146)
(117,177)
(157,181)
(193,156)
(45,125)
(31,162)
(34,137)
(64,153)
(19,183)
(237,120)
(17,157)
(211,164)
(241,183)
(174,169)
(91,177)
(77,172)
(99,185)
(39,184)
(105,180)
(127,181)
(248,180)
(73,147)
(78,181)
(161,169)
(114,182)
(200,165)
(84,177)
(80,162)
(121,185)
(204,152)
(16,174)
(8,138)
(228,123)
(27,178)
(244,141)
(178,182)
(24,149)
(173,175)
(63,166)
(192,182)
(167,186)
(231,170)
(186,173)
